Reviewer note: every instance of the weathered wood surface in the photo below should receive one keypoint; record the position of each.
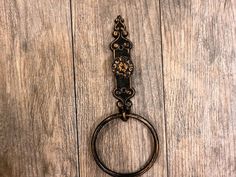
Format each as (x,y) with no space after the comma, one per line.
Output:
(37,112)
(125,146)
(191,101)
(199,45)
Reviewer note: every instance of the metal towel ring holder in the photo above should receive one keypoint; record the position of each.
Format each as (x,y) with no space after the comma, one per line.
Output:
(123,68)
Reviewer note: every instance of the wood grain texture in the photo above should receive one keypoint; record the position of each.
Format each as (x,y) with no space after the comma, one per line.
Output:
(193,41)
(200,83)
(126,146)
(37,112)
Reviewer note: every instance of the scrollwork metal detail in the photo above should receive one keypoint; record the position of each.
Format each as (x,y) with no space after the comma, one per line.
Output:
(122,66)
(120,33)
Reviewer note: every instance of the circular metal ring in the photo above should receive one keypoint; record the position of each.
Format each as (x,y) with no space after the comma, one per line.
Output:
(146,166)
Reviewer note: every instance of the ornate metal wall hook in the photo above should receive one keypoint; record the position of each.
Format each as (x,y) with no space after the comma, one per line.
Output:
(122,68)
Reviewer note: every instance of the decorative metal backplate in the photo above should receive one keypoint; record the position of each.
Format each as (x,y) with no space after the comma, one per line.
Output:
(122,66)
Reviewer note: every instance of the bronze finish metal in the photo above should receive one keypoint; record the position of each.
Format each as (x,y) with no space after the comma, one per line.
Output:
(122,68)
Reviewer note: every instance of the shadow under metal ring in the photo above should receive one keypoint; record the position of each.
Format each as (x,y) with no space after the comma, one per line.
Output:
(146,166)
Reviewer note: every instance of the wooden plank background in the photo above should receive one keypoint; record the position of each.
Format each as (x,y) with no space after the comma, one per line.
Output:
(37,117)
(199,45)
(56,83)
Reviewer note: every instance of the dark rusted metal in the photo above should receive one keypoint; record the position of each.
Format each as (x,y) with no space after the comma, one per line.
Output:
(146,166)
(123,67)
